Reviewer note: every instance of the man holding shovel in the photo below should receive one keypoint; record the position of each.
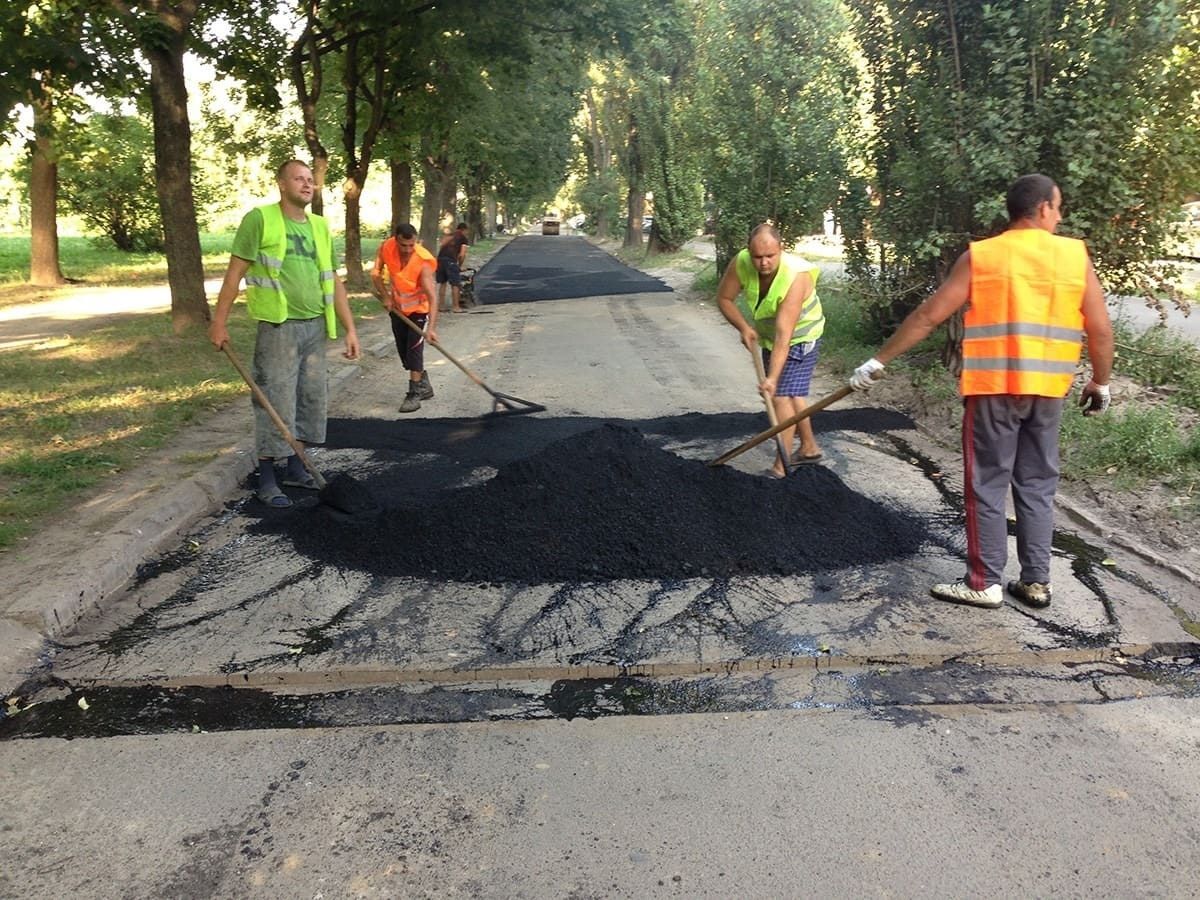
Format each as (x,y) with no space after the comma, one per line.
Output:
(780,311)
(292,290)
(408,290)
(1032,294)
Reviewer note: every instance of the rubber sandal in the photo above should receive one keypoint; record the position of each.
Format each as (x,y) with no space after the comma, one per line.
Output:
(798,460)
(274,497)
(307,482)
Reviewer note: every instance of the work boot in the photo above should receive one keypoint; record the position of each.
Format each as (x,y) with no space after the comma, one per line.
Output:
(989,598)
(424,388)
(1032,593)
(412,401)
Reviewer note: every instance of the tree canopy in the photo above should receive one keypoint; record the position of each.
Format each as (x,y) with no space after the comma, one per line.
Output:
(906,117)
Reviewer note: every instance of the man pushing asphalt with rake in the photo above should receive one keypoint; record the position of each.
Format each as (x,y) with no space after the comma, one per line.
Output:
(781,311)
(292,291)
(1032,294)
(408,291)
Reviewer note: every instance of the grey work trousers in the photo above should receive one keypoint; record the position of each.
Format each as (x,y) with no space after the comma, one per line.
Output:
(289,366)
(1009,441)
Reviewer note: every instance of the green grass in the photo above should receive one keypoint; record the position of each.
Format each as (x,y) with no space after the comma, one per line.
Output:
(1133,444)
(78,409)
(1161,358)
(82,259)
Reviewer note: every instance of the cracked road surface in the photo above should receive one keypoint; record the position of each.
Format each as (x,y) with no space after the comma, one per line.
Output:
(293,703)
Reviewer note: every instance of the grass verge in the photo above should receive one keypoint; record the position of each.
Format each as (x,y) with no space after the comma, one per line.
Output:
(75,410)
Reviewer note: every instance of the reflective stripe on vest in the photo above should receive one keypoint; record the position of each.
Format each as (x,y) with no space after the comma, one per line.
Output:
(1023,328)
(264,290)
(406,277)
(761,312)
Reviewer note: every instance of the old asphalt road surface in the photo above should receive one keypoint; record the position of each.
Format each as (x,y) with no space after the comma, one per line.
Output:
(570,660)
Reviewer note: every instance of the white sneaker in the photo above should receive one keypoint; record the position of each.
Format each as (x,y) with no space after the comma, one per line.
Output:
(990,597)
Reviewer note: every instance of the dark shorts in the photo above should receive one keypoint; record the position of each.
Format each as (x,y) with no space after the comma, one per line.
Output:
(409,344)
(796,377)
(447,271)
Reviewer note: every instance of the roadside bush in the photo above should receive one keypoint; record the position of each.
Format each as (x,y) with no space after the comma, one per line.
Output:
(106,177)
(1161,358)
(1132,442)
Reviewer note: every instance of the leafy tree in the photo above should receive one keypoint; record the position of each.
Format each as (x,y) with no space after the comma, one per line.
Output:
(599,182)
(775,83)
(107,178)
(666,48)
(42,63)
(1099,95)
(239,38)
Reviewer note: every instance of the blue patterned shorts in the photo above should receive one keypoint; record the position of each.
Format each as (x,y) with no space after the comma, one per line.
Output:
(796,377)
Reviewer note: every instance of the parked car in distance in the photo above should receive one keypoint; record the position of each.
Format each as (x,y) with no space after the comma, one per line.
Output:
(550,223)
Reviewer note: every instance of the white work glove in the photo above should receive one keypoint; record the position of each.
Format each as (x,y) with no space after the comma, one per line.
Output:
(1095,398)
(864,376)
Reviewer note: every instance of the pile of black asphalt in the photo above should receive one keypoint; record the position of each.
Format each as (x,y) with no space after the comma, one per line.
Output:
(557,267)
(601,502)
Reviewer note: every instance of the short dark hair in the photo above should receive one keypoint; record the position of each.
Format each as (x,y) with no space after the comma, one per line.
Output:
(462,226)
(283,167)
(1026,194)
(405,230)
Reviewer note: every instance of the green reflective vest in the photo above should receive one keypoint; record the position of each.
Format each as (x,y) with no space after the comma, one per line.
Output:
(761,311)
(264,291)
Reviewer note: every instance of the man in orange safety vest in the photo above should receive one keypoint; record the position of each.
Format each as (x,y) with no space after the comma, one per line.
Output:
(409,292)
(1032,295)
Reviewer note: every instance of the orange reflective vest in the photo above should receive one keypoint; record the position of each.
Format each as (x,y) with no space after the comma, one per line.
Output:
(406,278)
(1023,328)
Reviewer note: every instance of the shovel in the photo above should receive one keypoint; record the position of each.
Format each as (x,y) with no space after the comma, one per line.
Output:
(343,493)
(512,405)
(786,423)
(772,416)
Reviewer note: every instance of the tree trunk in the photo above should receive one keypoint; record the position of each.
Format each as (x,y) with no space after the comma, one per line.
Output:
(320,170)
(434,173)
(173,170)
(431,205)
(489,215)
(356,278)
(475,224)
(402,187)
(44,268)
(307,94)
(637,192)
(449,196)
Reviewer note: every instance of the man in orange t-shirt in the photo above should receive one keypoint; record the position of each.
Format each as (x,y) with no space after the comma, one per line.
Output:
(409,291)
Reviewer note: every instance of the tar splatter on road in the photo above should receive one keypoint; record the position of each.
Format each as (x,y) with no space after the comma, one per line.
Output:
(606,504)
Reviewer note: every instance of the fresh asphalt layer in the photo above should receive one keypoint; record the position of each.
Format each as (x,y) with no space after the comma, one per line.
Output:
(534,548)
(557,267)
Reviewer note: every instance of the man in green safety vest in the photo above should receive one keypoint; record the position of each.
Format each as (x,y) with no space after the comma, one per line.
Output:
(781,313)
(285,255)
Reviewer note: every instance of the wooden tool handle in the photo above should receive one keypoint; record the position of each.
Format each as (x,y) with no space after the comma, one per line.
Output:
(786,423)
(772,415)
